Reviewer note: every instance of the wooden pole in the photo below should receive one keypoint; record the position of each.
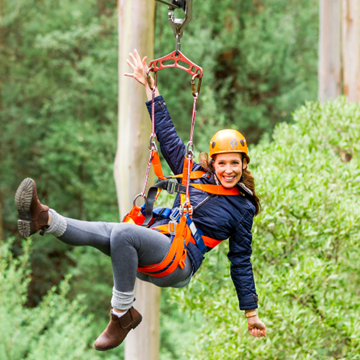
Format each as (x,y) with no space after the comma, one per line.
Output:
(351,48)
(136,31)
(330,50)
(1,44)
(1,221)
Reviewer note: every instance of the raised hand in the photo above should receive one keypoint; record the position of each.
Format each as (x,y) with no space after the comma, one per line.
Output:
(139,67)
(256,327)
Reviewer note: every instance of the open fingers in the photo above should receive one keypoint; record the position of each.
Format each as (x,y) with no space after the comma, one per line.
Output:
(137,56)
(127,74)
(130,64)
(132,58)
(144,64)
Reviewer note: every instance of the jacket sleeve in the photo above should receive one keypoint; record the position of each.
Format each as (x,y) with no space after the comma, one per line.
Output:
(172,147)
(241,268)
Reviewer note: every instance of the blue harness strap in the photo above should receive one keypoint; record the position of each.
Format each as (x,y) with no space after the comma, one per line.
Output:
(159,211)
(197,234)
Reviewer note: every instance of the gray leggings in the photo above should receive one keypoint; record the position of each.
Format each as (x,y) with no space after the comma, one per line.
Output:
(129,246)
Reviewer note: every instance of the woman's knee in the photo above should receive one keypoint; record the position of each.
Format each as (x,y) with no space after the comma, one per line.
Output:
(122,234)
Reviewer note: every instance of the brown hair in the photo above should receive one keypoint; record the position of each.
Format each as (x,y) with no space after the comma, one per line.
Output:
(247,179)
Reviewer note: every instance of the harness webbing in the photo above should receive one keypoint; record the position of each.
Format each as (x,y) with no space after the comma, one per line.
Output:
(175,257)
(208,241)
(174,187)
(217,189)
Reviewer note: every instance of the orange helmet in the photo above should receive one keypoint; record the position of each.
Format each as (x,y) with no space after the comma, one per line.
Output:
(228,140)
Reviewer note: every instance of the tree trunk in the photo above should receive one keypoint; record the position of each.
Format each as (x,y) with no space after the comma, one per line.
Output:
(330,49)
(1,221)
(1,44)
(136,31)
(351,48)
(144,342)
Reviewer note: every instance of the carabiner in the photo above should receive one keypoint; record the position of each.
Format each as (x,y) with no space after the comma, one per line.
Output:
(137,196)
(152,142)
(148,78)
(190,150)
(193,88)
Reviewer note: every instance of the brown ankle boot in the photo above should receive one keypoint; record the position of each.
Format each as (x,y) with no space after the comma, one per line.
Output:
(117,330)
(33,216)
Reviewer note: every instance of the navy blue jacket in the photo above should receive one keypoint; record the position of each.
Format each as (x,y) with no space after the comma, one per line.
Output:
(222,217)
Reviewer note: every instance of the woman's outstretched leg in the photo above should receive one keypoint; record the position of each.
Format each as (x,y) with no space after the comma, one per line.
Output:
(83,233)
(34,216)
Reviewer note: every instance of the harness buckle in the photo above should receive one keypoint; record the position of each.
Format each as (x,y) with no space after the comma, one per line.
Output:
(175,215)
(188,207)
(171,187)
(183,258)
(172,227)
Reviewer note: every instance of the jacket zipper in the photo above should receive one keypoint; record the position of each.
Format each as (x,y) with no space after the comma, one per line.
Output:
(203,202)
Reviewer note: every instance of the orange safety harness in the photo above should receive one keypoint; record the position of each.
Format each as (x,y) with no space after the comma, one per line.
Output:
(181,227)
(180,231)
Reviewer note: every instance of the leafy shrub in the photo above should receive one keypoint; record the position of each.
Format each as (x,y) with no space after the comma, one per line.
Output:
(55,329)
(306,247)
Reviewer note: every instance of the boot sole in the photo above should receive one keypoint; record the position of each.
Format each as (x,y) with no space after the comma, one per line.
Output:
(23,197)
(132,328)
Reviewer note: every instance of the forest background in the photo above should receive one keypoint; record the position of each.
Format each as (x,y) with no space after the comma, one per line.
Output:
(58,113)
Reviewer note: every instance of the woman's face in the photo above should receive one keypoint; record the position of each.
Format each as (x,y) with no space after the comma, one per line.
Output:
(228,168)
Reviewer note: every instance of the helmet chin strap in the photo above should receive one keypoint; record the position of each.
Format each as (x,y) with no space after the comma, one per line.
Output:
(245,188)
(218,182)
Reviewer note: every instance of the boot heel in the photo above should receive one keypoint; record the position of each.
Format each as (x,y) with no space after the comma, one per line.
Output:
(137,323)
(25,227)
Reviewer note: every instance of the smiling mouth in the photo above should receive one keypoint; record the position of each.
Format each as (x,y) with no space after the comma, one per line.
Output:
(229,178)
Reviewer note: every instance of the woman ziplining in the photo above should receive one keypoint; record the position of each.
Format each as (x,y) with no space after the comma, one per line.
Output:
(148,253)
(215,201)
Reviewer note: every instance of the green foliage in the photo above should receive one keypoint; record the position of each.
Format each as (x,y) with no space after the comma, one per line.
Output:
(178,328)
(58,114)
(306,247)
(59,105)
(56,329)
(97,285)
(259,60)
